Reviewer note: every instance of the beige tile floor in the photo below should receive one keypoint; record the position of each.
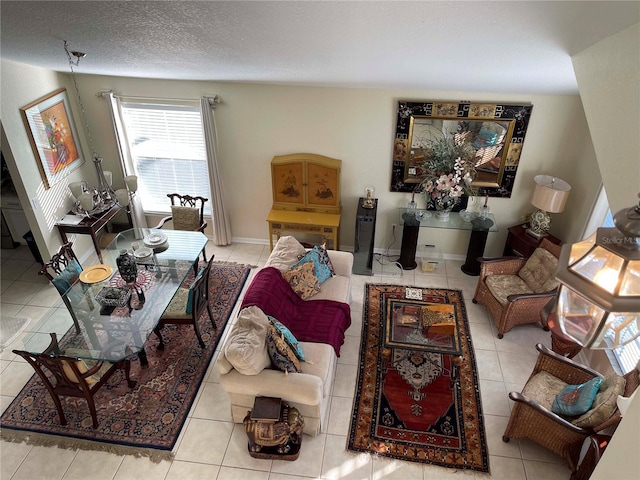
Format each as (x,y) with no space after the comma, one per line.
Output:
(212,447)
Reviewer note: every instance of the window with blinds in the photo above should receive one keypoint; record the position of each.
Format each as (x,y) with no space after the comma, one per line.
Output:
(167,146)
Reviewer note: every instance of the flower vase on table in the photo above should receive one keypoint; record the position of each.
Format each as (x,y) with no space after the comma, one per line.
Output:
(127,266)
(448,173)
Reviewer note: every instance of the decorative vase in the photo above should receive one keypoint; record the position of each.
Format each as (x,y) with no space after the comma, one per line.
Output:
(127,266)
(442,215)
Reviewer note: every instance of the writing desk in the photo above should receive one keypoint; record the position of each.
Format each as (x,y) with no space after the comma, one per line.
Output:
(478,227)
(117,335)
(325,224)
(89,226)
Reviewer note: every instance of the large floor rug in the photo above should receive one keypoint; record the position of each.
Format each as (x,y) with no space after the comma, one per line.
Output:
(406,406)
(145,420)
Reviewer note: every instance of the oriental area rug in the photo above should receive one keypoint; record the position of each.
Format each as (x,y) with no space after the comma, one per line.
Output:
(417,396)
(145,420)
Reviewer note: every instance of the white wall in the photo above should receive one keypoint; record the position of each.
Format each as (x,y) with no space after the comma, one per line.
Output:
(608,75)
(256,122)
(21,85)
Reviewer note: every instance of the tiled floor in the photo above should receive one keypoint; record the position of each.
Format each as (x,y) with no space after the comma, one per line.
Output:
(211,447)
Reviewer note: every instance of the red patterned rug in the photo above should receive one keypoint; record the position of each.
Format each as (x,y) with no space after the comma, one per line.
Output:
(414,400)
(145,420)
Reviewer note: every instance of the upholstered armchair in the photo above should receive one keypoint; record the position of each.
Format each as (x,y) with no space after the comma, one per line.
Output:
(515,289)
(532,417)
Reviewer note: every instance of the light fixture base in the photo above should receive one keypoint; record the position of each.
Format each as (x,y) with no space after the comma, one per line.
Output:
(536,235)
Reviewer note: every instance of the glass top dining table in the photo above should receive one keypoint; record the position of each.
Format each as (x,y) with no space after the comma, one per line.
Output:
(109,332)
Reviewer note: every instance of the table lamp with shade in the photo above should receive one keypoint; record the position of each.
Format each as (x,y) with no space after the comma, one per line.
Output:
(599,299)
(549,196)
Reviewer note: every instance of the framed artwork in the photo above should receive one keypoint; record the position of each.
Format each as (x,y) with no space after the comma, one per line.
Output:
(53,136)
(493,133)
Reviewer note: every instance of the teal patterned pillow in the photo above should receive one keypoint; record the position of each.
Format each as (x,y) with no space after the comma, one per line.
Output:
(288,337)
(67,277)
(280,353)
(320,259)
(575,400)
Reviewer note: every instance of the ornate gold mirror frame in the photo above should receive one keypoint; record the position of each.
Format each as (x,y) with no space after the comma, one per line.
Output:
(494,131)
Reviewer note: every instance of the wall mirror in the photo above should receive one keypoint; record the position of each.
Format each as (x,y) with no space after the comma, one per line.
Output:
(493,133)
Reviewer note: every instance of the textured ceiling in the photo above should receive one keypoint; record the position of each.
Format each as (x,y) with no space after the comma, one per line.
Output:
(488,46)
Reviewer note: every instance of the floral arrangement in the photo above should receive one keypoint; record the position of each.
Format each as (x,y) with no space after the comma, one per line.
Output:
(447,173)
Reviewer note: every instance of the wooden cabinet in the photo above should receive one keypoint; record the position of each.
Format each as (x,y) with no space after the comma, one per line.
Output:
(306,196)
(305,182)
(521,244)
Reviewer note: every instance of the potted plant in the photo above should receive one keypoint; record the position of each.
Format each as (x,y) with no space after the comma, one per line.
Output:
(447,173)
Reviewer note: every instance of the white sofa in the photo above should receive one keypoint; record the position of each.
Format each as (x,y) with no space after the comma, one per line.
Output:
(308,391)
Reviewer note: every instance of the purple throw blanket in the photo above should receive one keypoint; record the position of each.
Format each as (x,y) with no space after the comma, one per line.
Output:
(321,321)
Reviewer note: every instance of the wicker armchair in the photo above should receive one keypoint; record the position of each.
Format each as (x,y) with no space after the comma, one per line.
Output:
(515,295)
(531,419)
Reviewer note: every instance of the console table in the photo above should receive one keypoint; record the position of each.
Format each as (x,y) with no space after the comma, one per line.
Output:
(412,223)
(89,226)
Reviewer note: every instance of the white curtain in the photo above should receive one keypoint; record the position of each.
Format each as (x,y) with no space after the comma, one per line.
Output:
(128,168)
(220,220)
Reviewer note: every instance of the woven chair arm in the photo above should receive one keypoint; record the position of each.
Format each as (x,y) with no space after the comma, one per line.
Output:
(501,266)
(561,367)
(202,227)
(612,421)
(530,296)
(519,397)
(163,221)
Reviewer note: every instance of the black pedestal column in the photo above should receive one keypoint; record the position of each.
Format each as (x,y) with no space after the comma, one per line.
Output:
(410,232)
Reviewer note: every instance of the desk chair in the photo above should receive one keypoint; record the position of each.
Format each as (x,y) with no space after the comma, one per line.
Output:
(71,377)
(188,305)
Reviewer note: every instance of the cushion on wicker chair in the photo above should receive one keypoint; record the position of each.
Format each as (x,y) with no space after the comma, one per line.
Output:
(501,286)
(605,402)
(539,272)
(543,388)
(185,218)
(575,400)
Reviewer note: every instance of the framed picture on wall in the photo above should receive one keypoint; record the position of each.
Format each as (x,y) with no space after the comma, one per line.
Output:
(53,136)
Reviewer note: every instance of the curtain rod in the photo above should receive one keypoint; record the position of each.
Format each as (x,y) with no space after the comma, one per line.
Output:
(215,98)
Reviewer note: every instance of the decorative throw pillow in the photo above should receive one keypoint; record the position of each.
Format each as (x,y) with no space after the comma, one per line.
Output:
(280,353)
(246,347)
(303,280)
(604,404)
(574,400)
(320,258)
(286,252)
(185,218)
(288,337)
(540,271)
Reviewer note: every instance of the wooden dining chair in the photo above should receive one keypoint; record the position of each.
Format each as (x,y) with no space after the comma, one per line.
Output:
(188,305)
(187,213)
(63,271)
(72,377)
